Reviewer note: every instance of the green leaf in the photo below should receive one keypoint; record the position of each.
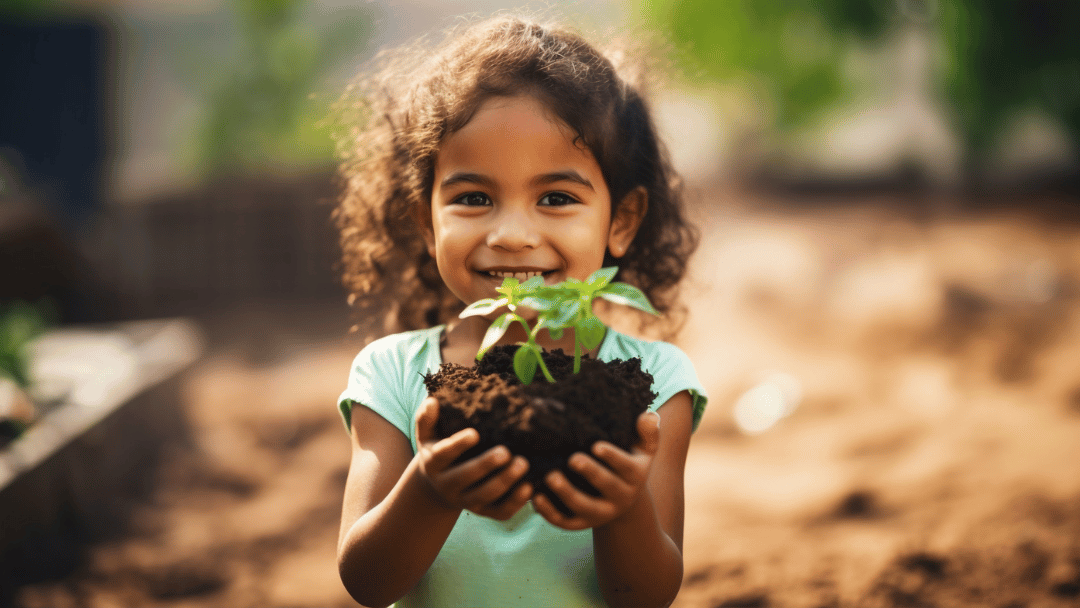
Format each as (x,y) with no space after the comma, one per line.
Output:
(539,303)
(602,277)
(509,287)
(552,324)
(573,284)
(532,283)
(525,360)
(627,295)
(495,331)
(590,331)
(483,307)
(566,313)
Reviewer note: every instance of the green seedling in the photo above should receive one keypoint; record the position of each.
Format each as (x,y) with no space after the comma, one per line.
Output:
(568,305)
(20,323)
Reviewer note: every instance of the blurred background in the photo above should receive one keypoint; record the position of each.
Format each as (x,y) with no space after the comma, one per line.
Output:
(883,307)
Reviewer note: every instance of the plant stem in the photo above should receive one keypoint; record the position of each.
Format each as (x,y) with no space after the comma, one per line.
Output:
(577,354)
(539,350)
(544,369)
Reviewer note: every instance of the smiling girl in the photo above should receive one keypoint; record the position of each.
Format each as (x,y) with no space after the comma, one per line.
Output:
(515,149)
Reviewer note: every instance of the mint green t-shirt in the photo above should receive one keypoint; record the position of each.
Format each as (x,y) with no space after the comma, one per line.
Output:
(524,561)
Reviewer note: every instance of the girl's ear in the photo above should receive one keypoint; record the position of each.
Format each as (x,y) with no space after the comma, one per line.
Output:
(627,220)
(422,216)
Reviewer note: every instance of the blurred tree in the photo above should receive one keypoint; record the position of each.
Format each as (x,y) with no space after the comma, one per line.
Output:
(787,52)
(32,9)
(1000,57)
(996,57)
(261,110)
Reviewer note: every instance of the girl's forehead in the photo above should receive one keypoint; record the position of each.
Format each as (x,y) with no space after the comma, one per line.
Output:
(510,121)
(524,112)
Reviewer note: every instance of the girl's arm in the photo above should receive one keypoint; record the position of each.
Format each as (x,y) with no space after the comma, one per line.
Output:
(399,508)
(637,521)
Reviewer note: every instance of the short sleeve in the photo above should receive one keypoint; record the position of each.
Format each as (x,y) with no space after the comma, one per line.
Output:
(387,378)
(673,372)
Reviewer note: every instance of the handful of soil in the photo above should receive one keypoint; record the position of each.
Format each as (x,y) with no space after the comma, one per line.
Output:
(544,422)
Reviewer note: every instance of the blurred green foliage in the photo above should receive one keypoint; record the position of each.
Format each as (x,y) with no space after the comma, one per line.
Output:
(999,57)
(994,57)
(20,323)
(30,9)
(789,53)
(262,108)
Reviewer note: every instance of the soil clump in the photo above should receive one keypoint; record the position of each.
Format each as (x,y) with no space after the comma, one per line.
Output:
(545,422)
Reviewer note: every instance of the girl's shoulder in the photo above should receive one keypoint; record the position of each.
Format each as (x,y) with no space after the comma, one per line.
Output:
(405,344)
(414,338)
(400,355)
(386,376)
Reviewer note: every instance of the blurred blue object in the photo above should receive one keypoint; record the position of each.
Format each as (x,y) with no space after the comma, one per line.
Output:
(51,110)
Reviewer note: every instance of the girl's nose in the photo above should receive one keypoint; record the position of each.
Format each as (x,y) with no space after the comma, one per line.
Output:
(514,231)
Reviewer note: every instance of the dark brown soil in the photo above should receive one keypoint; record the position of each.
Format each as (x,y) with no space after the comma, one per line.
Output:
(545,422)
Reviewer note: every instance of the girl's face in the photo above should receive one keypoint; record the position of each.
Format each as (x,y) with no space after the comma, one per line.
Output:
(513,196)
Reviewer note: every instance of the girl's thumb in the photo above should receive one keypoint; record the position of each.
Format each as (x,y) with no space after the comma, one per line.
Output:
(649,430)
(426,416)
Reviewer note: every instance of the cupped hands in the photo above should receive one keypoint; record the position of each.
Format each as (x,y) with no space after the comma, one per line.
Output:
(484,484)
(618,475)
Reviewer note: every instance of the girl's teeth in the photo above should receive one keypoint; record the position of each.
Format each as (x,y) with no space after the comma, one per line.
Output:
(520,276)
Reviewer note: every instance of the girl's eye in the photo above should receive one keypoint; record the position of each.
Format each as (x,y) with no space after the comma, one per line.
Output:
(473,199)
(557,199)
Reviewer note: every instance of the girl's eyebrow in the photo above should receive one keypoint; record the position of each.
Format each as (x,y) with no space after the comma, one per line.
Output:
(563,176)
(464,177)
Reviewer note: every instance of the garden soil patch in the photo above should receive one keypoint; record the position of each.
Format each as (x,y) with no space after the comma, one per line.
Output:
(926,453)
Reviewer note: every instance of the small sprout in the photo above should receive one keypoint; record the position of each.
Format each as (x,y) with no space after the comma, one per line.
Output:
(568,305)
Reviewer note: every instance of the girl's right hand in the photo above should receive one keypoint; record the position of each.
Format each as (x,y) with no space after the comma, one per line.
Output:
(463,485)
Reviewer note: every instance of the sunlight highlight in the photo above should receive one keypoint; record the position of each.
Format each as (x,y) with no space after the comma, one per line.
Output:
(767,402)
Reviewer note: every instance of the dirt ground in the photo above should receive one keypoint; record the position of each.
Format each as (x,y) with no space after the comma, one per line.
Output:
(894,421)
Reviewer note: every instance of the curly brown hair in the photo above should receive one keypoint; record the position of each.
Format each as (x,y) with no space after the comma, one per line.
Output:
(399,115)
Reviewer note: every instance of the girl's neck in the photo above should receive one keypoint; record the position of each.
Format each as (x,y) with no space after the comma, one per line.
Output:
(464,336)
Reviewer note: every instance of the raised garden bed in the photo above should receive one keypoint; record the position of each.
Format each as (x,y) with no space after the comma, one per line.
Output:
(108,400)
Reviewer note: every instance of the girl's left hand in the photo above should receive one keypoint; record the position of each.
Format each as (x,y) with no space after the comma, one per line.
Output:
(620,486)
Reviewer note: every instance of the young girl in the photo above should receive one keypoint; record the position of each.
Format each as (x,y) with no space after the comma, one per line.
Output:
(514,149)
